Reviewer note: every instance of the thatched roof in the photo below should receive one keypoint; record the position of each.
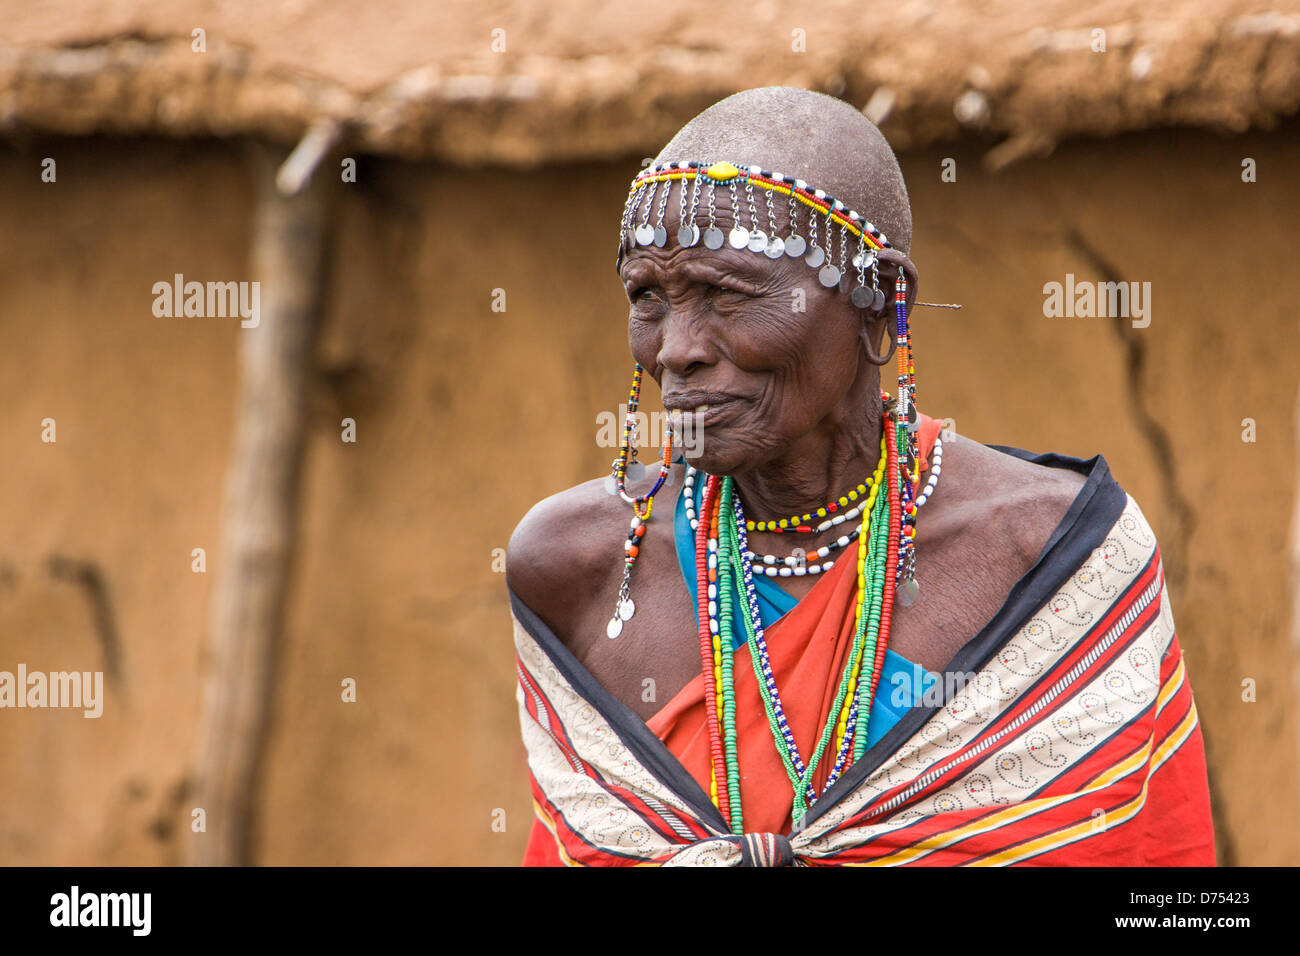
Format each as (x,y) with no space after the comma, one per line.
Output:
(587,80)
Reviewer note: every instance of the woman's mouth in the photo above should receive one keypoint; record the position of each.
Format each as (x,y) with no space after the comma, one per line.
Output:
(709,413)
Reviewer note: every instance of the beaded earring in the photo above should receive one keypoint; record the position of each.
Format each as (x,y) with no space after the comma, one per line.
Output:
(907,423)
(626,467)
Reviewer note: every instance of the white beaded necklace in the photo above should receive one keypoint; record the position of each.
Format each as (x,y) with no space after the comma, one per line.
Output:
(797,566)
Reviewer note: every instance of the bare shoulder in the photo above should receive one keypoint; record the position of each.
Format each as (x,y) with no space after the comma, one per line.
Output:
(981,532)
(559,556)
(985,470)
(552,546)
(984,484)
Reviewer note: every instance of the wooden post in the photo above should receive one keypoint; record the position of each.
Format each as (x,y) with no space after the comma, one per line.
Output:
(260,510)
(1295,599)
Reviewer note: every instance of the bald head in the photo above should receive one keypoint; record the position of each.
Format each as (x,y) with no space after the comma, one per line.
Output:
(770,351)
(812,136)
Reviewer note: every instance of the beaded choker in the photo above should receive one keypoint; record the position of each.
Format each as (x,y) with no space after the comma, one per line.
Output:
(822,216)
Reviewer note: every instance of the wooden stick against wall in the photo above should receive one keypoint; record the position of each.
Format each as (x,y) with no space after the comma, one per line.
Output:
(260,510)
(1295,599)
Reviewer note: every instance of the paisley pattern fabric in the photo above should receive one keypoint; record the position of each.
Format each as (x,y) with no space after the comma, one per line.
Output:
(1066,734)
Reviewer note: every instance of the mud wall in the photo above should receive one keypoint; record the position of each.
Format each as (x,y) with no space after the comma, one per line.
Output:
(466,415)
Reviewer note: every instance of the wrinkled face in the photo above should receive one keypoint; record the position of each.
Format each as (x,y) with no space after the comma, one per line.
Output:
(760,342)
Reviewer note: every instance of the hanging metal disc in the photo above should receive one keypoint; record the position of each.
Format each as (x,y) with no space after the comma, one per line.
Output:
(829,276)
(713,238)
(738,237)
(661,236)
(757,240)
(908,592)
(688,235)
(879,302)
(614,628)
(816,256)
(775,248)
(795,246)
(861,297)
(645,234)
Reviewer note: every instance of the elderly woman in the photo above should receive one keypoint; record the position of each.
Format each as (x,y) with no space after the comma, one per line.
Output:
(830,635)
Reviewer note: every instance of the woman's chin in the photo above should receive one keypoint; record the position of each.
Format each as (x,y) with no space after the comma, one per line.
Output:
(721,461)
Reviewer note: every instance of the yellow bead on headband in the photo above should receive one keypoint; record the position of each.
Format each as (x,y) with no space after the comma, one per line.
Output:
(638,230)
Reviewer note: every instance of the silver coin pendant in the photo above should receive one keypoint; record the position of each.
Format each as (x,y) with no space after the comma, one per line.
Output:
(908,592)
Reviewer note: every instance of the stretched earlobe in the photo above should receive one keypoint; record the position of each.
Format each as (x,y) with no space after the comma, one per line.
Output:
(871,299)
(869,346)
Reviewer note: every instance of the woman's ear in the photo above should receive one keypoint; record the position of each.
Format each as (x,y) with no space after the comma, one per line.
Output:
(878,326)
(890,262)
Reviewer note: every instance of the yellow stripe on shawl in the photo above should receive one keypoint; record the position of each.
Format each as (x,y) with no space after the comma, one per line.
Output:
(1021,811)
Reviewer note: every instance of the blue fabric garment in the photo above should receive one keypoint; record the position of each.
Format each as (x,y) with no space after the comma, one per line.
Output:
(902,682)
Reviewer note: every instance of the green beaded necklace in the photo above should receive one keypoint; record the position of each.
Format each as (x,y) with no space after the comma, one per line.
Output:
(850,712)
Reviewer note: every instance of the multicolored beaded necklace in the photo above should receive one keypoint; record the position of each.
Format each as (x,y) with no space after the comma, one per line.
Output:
(802,563)
(885,562)
(723,563)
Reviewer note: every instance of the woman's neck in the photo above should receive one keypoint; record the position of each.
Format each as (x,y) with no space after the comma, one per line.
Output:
(827,462)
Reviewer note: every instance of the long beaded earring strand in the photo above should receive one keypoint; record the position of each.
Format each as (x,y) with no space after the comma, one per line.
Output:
(642,505)
(626,466)
(908,424)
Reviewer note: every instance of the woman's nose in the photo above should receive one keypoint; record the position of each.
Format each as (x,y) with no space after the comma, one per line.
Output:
(687,343)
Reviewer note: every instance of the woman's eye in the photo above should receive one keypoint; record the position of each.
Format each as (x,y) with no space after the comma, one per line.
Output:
(642,295)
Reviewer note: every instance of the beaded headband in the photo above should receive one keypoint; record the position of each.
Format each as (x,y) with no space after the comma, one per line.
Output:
(638,230)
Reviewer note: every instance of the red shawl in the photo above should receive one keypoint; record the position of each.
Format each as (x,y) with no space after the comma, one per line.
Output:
(1015,807)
